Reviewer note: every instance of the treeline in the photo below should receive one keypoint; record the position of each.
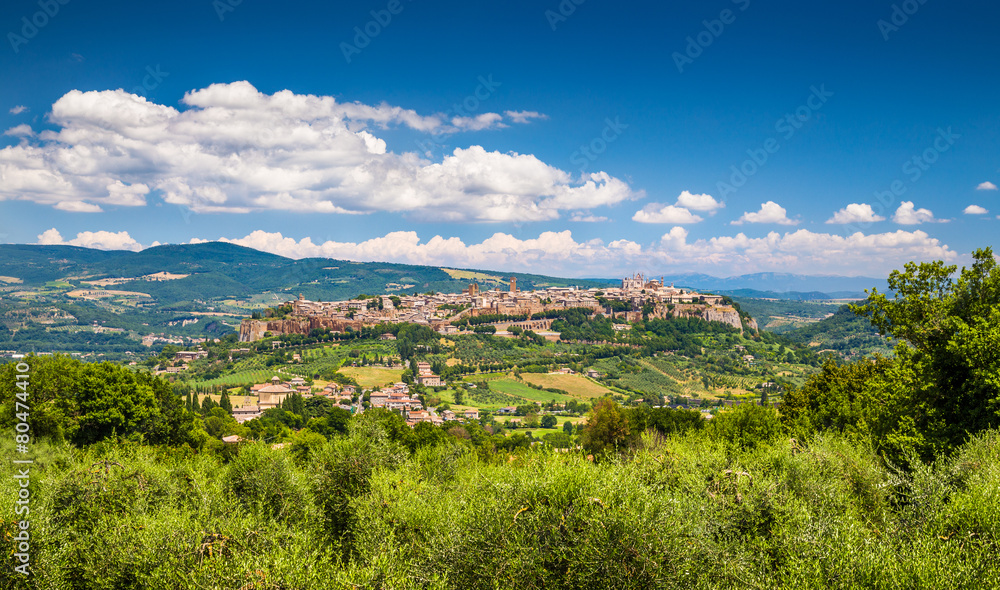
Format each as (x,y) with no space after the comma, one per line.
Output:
(35,337)
(87,402)
(941,385)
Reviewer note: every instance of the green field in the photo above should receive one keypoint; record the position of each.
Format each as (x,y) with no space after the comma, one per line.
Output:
(373,376)
(517,389)
(576,385)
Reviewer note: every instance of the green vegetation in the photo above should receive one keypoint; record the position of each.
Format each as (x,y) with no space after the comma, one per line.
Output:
(363,510)
(844,333)
(879,473)
(942,384)
(780,316)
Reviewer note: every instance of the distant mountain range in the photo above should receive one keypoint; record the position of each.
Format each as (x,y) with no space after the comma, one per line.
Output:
(775,285)
(222,270)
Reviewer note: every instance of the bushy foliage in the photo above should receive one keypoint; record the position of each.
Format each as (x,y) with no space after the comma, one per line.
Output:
(86,403)
(941,386)
(746,426)
(342,471)
(681,511)
(264,481)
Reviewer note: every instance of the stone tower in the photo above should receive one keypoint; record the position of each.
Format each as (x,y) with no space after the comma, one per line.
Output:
(513,284)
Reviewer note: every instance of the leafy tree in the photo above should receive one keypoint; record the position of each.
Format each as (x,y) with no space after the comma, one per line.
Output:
(665,420)
(607,428)
(225,403)
(559,440)
(207,403)
(548,421)
(568,428)
(342,470)
(219,423)
(86,403)
(317,406)
(948,354)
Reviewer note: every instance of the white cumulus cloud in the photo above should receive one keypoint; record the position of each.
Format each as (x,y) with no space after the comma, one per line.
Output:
(908,214)
(101,240)
(679,212)
(234,149)
(17,110)
(975,210)
(22,130)
(701,202)
(855,213)
(524,116)
(770,212)
(78,207)
(659,213)
(986,186)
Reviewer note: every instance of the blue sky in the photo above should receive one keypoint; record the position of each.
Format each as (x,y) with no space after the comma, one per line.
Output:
(582,138)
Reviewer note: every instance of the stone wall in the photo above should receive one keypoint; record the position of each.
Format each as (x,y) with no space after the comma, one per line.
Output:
(253,330)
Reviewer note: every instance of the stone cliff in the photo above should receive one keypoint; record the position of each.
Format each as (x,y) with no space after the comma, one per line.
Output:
(253,330)
(725,314)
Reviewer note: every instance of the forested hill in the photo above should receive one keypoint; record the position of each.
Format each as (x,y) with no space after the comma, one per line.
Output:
(845,332)
(222,270)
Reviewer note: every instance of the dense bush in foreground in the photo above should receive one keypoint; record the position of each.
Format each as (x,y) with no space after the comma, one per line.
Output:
(686,511)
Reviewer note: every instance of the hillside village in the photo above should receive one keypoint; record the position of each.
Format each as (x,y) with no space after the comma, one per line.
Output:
(637,296)
(510,312)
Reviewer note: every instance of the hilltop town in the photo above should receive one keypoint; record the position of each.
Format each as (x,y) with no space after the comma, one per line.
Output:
(637,297)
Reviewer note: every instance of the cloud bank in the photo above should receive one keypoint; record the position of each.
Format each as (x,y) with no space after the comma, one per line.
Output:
(558,253)
(235,149)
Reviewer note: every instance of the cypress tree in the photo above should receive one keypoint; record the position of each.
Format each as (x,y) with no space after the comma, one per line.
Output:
(298,404)
(225,403)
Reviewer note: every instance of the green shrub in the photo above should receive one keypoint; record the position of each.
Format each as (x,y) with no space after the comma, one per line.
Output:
(263,480)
